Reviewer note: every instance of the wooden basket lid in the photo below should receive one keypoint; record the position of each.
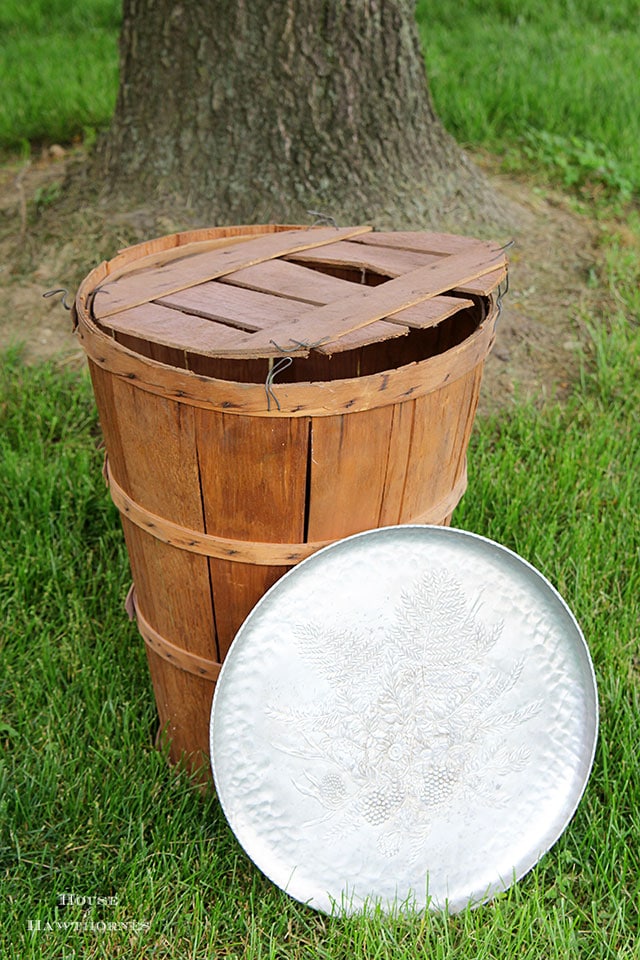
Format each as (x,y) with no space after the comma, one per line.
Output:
(262,296)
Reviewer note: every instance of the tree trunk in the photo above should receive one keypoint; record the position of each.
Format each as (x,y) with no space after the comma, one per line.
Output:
(254,111)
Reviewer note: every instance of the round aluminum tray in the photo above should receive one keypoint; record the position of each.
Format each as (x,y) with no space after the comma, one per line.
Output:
(409,715)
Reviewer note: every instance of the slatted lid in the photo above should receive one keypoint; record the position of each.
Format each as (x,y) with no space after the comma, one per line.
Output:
(261,295)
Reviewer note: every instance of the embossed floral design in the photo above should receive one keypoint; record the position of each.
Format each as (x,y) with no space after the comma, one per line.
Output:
(413,722)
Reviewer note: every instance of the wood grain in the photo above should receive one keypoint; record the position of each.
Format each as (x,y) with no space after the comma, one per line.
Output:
(386,261)
(354,393)
(234,306)
(151,450)
(421,242)
(374,303)
(133,289)
(348,469)
(253,481)
(292,280)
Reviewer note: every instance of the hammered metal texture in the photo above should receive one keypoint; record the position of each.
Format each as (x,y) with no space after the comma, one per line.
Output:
(410,715)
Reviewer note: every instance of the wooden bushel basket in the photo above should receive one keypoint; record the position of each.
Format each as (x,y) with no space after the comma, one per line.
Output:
(263,391)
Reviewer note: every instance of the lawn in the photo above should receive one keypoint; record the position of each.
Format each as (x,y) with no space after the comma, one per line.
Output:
(106,851)
(90,808)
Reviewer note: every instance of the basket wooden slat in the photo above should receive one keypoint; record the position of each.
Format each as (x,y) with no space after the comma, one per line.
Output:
(292,280)
(484,285)
(363,337)
(389,261)
(431,312)
(254,490)
(173,587)
(337,471)
(247,310)
(439,244)
(157,323)
(147,255)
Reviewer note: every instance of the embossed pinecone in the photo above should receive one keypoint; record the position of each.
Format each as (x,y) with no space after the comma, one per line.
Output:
(438,785)
(332,789)
(379,803)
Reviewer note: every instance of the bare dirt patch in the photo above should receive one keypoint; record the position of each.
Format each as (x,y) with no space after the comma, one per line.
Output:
(47,242)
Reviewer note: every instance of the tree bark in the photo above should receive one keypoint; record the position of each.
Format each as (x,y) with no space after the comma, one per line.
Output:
(255,111)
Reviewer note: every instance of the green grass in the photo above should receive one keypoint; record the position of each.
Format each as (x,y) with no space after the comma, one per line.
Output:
(59,68)
(544,83)
(88,806)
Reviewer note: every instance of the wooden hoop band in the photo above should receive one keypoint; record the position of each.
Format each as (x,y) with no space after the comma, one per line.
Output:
(296,399)
(242,551)
(177,656)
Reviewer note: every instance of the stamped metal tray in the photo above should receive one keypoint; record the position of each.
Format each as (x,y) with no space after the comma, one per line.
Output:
(408,716)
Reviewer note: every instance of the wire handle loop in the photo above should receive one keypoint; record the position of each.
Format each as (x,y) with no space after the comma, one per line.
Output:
(501,293)
(322,219)
(277,368)
(65,294)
